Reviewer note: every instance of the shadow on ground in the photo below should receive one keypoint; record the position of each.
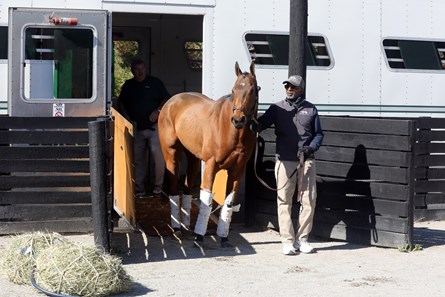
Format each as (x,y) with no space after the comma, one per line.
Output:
(429,237)
(137,247)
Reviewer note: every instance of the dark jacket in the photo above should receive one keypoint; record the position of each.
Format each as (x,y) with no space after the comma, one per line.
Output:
(296,126)
(140,99)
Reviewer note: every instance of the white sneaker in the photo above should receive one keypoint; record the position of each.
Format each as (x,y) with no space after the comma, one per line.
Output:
(288,249)
(303,246)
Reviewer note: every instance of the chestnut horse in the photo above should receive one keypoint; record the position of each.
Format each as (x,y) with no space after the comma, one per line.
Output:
(216,132)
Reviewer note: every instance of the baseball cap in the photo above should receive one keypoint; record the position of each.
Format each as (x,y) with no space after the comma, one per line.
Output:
(295,80)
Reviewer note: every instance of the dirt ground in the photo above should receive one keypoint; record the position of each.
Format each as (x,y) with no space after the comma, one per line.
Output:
(166,266)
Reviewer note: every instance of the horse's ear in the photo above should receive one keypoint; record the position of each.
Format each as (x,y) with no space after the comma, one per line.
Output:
(237,70)
(252,68)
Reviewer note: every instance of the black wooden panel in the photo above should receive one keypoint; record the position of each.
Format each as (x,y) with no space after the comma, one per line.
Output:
(435,198)
(359,220)
(430,135)
(430,123)
(332,187)
(34,212)
(45,122)
(7,182)
(79,165)
(327,185)
(267,220)
(364,205)
(435,173)
(429,214)
(83,225)
(420,172)
(373,157)
(423,186)
(44,152)
(33,197)
(363,172)
(429,160)
(370,141)
(420,201)
(44,137)
(429,148)
(360,236)
(366,125)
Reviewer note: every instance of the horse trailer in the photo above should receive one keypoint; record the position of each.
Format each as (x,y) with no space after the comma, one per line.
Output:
(376,58)
(364,58)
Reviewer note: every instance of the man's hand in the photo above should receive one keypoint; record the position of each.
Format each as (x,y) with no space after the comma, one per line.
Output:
(255,126)
(154,116)
(307,151)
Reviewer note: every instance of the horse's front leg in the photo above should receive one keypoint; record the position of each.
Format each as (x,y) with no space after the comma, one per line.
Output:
(206,198)
(225,215)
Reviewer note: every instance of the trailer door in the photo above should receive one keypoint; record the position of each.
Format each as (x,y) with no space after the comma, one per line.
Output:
(58,62)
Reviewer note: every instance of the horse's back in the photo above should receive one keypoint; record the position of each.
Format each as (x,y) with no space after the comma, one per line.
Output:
(185,100)
(184,118)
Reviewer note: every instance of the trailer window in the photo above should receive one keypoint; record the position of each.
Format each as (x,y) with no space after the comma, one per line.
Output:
(414,54)
(3,42)
(273,49)
(124,51)
(58,63)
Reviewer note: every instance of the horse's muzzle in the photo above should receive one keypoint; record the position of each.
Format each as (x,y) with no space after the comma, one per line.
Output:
(239,123)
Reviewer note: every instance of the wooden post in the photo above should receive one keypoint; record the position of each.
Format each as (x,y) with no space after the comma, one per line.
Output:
(98,177)
(298,37)
(412,184)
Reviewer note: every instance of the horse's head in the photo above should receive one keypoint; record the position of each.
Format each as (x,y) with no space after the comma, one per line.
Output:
(245,97)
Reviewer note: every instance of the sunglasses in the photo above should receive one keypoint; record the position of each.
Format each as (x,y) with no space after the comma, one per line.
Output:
(292,87)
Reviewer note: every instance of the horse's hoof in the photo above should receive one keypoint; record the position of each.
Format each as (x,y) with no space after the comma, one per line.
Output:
(187,234)
(227,245)
(177,233)
(198,244)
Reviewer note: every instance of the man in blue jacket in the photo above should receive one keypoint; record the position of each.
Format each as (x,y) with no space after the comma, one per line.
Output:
(299,134)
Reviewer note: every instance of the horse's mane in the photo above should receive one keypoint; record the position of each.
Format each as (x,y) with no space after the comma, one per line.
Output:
(228,96)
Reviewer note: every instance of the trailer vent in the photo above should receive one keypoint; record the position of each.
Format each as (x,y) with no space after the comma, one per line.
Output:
(273,49)
(414,54)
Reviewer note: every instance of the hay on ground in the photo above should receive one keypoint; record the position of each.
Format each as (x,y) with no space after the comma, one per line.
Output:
(83,270)
(18,259)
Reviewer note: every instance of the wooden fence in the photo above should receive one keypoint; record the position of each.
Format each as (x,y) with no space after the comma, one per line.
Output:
(429,199)
(365,180)
(45,175)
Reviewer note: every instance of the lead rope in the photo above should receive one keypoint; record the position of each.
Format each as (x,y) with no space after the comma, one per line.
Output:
(260,179)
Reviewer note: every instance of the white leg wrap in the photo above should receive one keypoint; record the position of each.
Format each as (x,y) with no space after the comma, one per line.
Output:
(205,208)
(225,216)
(185,210)
(174,211)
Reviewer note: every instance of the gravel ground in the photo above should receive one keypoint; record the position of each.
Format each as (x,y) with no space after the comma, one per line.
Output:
(165,266)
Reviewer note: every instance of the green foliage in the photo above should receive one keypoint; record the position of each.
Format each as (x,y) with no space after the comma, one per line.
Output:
(406,248)
(124,53)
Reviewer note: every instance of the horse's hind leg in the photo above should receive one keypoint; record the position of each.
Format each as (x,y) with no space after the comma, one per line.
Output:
(193,165)
(171,155)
